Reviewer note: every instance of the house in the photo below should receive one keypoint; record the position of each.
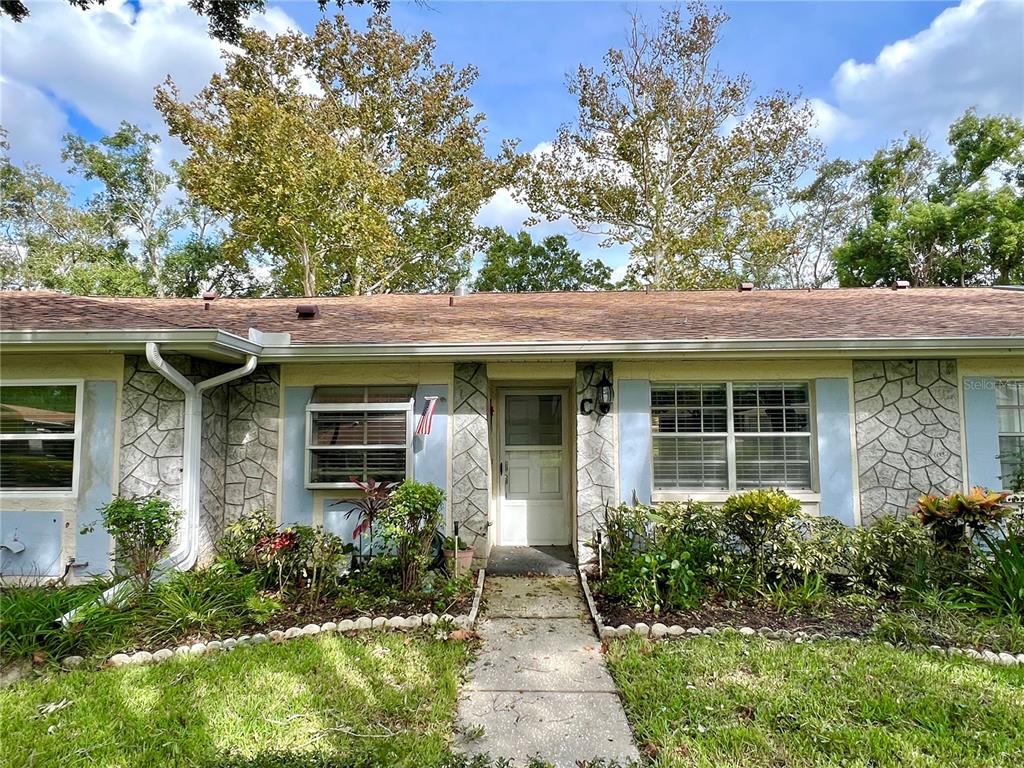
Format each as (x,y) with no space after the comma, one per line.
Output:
(534,412)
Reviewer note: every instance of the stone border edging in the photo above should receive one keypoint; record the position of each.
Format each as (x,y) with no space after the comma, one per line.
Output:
(659,631)
(360,624)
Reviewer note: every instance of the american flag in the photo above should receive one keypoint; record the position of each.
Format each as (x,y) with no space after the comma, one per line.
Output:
(427,419)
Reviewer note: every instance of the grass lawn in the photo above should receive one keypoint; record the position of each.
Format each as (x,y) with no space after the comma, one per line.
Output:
(723,701)
(377,699)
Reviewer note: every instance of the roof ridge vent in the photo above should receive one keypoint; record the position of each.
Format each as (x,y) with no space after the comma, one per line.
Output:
(901,285)
(307,310)
(746,287)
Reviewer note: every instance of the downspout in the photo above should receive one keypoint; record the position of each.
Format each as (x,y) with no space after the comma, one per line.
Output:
(186,553)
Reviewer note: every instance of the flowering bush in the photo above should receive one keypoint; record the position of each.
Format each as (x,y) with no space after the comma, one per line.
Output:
(300,559)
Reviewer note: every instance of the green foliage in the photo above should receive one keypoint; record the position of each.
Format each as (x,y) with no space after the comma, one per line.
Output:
(300,560)
(409,522)
(142,530)
(677,159)
(999,587)
(890,555)
(658,558)
(755,519)
(515,264)
(28,619)
(936,221)
(370,183)
(239,542)
(954,519)
(212,600)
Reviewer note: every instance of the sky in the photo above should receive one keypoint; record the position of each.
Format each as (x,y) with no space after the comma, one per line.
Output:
(872,70)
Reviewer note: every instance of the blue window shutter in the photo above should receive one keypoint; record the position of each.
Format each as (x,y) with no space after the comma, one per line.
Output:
(634,413)
(296,499)
(982,427)
(835,454)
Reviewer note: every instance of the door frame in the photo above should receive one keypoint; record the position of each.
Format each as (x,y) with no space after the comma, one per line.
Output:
(568,455)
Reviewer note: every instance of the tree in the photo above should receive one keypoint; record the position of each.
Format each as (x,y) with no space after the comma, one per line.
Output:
(226,17)
(519,265)
(351,159)
(957,220)
(131,237)
(50,243)
(133,193)
(822,214)
(673,157)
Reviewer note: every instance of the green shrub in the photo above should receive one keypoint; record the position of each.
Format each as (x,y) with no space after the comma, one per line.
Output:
(659,558)
(890,556)
(142,530)
(301,560)
(28,619)
(755,519)
(409,521)
(999,586)
(805,546)
(241,540)
(211,600)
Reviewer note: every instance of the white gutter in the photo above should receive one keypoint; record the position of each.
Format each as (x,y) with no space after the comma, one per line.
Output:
(186,553)
(184,556)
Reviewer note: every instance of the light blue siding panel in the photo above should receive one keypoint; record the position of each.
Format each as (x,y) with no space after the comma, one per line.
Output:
(982,427)
(430,452)
(634,413)
(95,474)
(835,455)
(296,499)
(40,533)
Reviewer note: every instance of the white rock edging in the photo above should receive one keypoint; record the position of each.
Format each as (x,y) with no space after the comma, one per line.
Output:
(660,631)
(344,626)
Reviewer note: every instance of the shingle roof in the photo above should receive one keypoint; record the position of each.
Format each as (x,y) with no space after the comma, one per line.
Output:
(539,317)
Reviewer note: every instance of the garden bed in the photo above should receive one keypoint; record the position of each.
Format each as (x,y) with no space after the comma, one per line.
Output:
(836,619)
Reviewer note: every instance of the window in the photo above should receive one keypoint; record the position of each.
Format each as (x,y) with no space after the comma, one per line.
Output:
(39,430)
(1010,410)
(731,436)
(358,433)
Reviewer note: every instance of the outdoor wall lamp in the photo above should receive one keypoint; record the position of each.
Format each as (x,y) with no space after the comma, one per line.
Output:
(605,397)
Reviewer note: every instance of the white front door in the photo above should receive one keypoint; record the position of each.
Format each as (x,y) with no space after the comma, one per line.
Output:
(533,495)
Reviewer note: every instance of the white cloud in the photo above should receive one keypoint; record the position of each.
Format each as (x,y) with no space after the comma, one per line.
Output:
(829,122)
(103,65)
(970,55)
(34,123)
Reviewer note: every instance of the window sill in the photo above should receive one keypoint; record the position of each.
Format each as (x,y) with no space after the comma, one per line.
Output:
(717,497)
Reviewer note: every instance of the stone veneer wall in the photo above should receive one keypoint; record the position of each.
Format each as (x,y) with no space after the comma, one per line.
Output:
(595,459)
(239,444)
(152,432)
(253,422)
(908,432)
(470,454)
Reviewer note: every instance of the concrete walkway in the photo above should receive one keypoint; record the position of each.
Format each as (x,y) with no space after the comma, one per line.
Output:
(539,686)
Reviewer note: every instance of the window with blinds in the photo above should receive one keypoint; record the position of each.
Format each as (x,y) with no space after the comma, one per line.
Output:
(731,436)
(39,436)
(1010,413)
(358,433)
